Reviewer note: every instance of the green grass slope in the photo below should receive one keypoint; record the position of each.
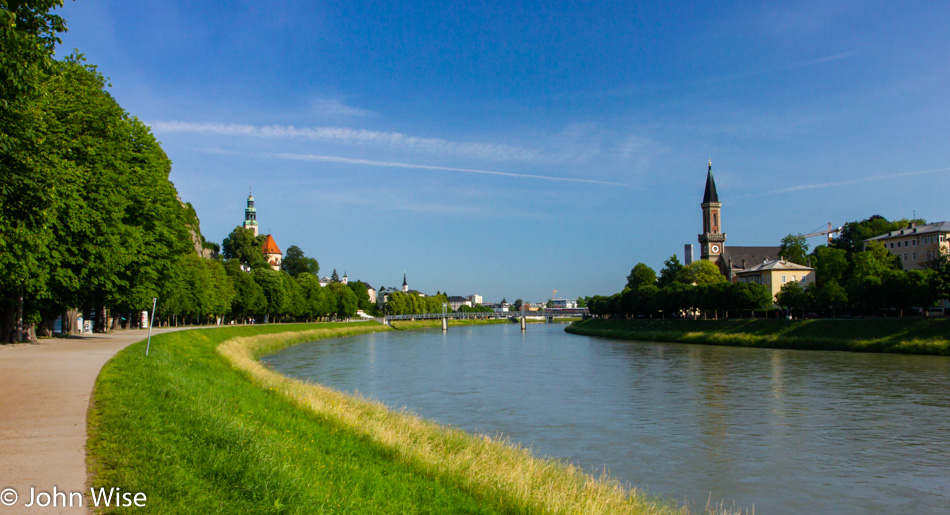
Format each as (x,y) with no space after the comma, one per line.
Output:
(196,436)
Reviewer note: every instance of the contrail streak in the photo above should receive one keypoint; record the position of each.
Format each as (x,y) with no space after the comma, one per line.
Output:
(856,181)
(390,164)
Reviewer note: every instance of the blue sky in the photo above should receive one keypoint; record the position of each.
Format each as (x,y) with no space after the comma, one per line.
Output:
(513,148)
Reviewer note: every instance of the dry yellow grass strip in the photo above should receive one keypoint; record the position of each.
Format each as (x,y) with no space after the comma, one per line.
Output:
(506,473)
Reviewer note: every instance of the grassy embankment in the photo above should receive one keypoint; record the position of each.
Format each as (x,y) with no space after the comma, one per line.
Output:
(895,335)
(202,426)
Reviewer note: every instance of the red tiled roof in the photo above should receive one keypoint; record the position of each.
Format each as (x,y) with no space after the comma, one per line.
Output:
(270,246)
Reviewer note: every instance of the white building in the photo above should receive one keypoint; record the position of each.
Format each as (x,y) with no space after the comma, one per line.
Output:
(455,302)
(915,245)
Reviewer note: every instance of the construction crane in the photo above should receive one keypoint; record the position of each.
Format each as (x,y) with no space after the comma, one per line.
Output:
(554,295)
(828,232)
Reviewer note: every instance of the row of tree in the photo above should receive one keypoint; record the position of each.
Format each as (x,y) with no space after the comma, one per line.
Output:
(241,286)
(695,290)
(211,291)
(88,217)
(91,223)
(863,279)
(851,278)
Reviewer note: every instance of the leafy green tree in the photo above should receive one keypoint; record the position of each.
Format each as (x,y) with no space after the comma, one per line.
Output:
(296,263)
(294,306)
(249,300)
(346,301)
(222,286)
(701,272)
(831,264)
(347,304)
(474,309)
(792,297)
(852,235)
(311,291)
(362,295)
(647,300)
(273,287)
(435,302)
(241,245)
(670,271)
(28,35)
(828,296)
(397,303)
(941,277)
(640,275)
(794,248)
(748,296)
(912,289)
(517,305)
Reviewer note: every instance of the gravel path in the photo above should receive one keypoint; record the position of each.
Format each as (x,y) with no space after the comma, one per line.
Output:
(44,396)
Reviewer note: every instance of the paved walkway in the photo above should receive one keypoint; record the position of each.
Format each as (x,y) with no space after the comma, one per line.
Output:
(44,396)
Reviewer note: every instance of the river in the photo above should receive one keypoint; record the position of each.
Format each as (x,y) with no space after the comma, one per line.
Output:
(782,431)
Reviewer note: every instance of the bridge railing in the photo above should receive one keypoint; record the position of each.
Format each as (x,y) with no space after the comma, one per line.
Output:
(460,315)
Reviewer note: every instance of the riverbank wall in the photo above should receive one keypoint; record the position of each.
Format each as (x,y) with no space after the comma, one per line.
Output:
(894,335)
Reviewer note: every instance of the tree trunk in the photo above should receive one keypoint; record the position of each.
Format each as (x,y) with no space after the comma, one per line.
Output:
(19,317)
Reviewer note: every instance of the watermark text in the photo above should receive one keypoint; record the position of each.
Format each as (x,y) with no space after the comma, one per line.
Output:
(56,498)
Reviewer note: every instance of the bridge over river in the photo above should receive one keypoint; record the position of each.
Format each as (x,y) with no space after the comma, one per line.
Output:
(515,316)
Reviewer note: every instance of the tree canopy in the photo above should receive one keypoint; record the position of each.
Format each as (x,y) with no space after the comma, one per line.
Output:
(296,263)
(794,248)
(640,275)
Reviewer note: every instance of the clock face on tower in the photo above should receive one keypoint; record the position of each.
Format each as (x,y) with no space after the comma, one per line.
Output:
(715,249)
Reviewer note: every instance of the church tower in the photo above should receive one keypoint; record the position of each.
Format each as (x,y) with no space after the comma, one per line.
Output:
(405,285)
(712,240)
(250,214)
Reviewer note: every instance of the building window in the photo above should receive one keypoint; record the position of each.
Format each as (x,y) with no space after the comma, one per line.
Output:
(783,279)
(913,242)
(898,244)
(905,256)
(915,256)
(892,244)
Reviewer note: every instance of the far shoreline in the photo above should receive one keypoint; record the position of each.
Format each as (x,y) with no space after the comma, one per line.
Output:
(921,336)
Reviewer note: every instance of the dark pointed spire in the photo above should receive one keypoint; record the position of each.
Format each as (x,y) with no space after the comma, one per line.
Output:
(710,195)
(404,283)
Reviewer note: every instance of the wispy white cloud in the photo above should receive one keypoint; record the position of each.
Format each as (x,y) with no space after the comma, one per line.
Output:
(348,136)
(840,56)
(337,107)
(641,88)
(857,181)
(391,164)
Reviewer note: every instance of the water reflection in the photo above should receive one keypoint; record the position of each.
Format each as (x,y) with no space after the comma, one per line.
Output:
(785,431)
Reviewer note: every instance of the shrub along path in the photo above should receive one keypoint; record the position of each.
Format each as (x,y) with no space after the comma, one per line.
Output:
(44,397)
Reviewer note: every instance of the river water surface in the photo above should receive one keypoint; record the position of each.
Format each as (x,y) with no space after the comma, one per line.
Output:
(779,430)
